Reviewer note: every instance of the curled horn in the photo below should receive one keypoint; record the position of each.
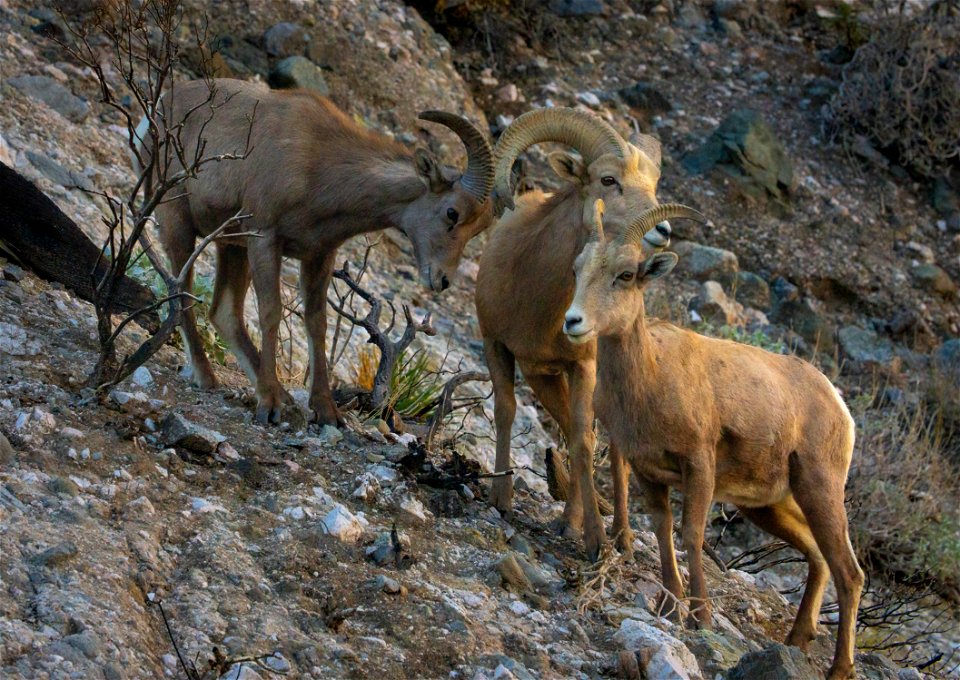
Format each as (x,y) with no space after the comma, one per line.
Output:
(585,132)
(478,178)
(649,220)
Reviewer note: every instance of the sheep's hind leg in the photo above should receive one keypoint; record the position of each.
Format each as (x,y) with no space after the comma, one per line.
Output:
(785,520)
(656,500)
(698,483)
(265,262)
(226,311)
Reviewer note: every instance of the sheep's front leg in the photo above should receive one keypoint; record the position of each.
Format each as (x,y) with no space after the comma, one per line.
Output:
(264,256)
(502,365)
(315,276)
(621,496)
(583,380)
(698,483)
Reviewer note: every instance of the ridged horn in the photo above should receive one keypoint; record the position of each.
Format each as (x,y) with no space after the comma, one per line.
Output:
(598,208)
(585,132)
(478,178)
(650,219)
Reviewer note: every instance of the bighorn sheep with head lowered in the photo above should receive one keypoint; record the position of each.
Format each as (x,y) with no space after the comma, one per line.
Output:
(313,179)
(525,284)
(720,421)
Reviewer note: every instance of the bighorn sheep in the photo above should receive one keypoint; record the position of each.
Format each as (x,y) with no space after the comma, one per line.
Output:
(313,179)
(525,284)
(720,421)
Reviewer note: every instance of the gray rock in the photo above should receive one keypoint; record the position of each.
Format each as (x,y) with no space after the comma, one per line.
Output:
(178,431)
(705,262)
(745,147)
(799,316)
(715,652)
(751,290)
(873,666)
(54,95)
(86,642)
(776,662)
(860,344)
(285,40)
(330,435)
(784,290)
(57,173)
(58,554)
(142,376)
(933,279)
(12,272)
(647,98)
(576,8)
(713,305)
(946,359)
(666,657)
(300,72)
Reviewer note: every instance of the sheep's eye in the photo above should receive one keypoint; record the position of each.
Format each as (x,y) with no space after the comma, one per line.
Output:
(453,215)
(608,181)
(626,276)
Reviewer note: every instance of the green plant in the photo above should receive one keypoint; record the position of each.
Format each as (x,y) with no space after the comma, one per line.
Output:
(140,269)
(414,387)
(757,338)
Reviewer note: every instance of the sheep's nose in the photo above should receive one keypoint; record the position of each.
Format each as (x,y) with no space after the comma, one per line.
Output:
(444,282)
(572,320)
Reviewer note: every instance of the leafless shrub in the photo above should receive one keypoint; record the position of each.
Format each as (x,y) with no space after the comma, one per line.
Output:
(133,50)
(902,87)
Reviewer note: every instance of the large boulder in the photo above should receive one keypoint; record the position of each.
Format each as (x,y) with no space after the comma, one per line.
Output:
(865,346)
(799,315)
(776,662)
(663,656)
(285,40)
(750,290)
(702,262)
(745,148)
(714,307)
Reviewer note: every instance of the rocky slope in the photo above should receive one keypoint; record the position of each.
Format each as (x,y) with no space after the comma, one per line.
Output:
(277,542)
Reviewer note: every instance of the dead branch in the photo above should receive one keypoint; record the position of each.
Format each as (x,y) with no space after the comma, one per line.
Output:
(390,350)
(445,406)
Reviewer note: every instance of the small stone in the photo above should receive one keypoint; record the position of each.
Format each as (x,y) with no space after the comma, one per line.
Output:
(588,98)
(865,346)
(508,93)
(714,307)
(387,584)
(932,278)
(576,8)
(519,608)
(86,642)
(71,433)
(413,510)
(142,376)
(226,453)
(299,72)
(342,524)
(203,506)
(330,435)
(178,431)
(140,508)
(277,663)
(7,454)
(751,290)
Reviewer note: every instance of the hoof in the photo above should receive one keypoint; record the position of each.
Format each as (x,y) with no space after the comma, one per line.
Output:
(561,527)
(800,639)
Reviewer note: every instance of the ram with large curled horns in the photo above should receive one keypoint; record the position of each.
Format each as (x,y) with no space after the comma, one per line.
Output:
(717,420)
(313,178)
(526,283)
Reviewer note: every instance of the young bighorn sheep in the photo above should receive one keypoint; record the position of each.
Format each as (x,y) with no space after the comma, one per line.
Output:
(525,284)
(720,421)
(313,179)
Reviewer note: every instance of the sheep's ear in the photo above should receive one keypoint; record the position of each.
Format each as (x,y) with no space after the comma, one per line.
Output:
(656,266)
(568,166)
(429,170)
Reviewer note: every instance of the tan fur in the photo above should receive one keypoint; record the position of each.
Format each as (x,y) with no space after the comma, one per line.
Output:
(720,421)
(524,286)
(313,179)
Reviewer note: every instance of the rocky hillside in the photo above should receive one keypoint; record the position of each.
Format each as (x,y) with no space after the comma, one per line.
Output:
(160,521)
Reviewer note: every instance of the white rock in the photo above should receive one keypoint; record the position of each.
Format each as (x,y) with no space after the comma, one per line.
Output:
(141,507)
(367,488)
(241,671)
(142,377)
(330,435)
(342,524)
(671,660)
(383,473)
(226,453)
(295,512)
(71,433)
(413,509)
(588,98)
(519,608)
(202,505)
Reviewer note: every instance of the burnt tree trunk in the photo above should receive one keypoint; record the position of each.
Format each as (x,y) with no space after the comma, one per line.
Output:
(35,231)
